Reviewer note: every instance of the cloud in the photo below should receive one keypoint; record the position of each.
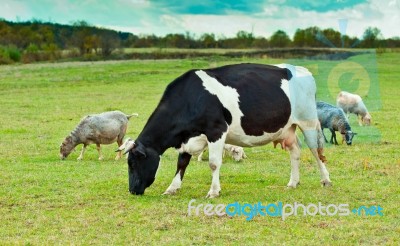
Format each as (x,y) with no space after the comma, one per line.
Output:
(222,17)
(13,10)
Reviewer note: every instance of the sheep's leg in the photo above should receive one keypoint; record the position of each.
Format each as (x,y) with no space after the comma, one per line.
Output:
(99,150)
(332,134)
(82,152)
(183,162)
(360,120)
(323,134)
(334,137)
(119,154)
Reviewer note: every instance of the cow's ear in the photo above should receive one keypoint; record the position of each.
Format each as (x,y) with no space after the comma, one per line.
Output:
(139,150)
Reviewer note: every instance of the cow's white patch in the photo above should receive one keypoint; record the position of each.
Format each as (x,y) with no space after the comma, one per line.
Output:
(285,87)
(229,97)
(194,146)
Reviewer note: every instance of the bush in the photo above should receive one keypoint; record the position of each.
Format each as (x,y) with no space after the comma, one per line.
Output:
(9,55)
(31,54)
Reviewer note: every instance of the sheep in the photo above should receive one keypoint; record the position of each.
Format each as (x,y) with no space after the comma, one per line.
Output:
(104,128)
(334,119)
(352,103)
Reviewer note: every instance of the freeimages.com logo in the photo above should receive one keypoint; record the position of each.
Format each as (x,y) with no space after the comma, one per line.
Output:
(280,209)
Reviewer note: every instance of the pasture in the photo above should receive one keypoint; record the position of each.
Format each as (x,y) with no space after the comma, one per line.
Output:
(46,200)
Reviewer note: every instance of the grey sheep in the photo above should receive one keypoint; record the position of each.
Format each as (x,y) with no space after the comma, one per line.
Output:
(104,128)
(334,119)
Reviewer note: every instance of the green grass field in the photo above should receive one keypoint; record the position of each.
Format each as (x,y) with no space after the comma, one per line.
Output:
(44,200)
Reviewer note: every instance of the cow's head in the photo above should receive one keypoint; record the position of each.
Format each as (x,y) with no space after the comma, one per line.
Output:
(142,167)
(348,137)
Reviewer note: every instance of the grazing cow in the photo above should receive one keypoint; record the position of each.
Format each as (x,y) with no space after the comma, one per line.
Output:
(104,128)
(352,103)
(244,104)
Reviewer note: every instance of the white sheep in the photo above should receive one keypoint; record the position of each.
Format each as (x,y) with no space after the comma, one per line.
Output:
(352,103)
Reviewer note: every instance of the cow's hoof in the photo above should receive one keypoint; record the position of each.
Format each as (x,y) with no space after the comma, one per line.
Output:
(170,192)
(79,158)
(101,158)
(117,158)
(326,183)
(292,185)
(212,194)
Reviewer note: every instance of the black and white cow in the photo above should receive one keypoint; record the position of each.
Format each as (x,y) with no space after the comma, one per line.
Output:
(244,104)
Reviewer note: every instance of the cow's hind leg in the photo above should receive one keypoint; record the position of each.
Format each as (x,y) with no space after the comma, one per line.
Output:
(314,141)
(215,150)
(294,151)
(183,162)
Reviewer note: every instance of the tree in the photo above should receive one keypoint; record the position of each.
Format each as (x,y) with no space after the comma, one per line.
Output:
(208,40)
(279,39)
(109,41)
(244,39)
(261,42)
(81,36)
(371,37)
(307,37)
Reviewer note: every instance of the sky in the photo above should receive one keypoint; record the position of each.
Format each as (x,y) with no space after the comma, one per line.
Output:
(224,18)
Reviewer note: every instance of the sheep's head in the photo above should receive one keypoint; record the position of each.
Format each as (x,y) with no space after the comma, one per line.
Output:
(348,137)
(366,119)
(237,153)
(66,147)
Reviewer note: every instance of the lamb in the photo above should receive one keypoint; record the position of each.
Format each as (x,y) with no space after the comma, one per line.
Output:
(352,103)
(334,119)
(104,128)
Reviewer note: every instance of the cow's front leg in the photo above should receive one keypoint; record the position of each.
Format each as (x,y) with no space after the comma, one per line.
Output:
(215,151)
(183,162)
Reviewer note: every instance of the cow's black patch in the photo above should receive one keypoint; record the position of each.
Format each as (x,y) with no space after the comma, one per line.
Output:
(265,106)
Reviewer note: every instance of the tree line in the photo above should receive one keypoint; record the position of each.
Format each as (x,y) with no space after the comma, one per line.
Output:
(35,40)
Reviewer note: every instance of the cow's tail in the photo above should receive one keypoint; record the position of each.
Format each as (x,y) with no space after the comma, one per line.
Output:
(131,115)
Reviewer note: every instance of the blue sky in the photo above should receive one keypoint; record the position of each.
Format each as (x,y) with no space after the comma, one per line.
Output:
(222,17)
